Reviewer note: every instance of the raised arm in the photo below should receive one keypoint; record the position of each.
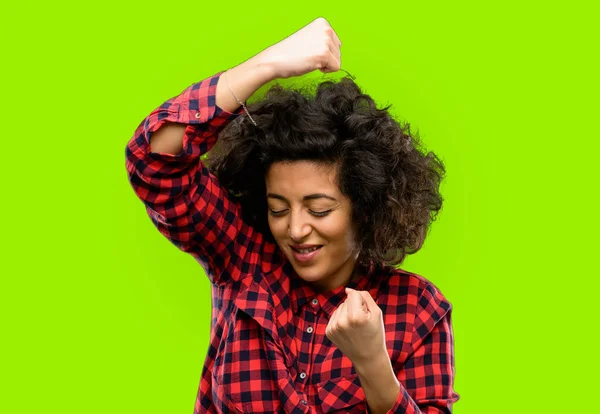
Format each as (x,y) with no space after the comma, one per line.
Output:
(185,201)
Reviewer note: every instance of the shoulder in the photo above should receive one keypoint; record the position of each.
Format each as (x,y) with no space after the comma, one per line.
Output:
(411,288)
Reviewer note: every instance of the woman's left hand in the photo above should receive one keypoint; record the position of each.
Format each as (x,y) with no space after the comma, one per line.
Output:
(356,327)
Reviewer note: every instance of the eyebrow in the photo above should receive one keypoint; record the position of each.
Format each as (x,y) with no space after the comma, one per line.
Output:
(307,197)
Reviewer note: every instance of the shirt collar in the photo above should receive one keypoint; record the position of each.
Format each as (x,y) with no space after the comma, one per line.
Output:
(301,292)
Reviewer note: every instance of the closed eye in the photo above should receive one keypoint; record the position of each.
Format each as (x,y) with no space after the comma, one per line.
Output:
(320,213)
(278,213)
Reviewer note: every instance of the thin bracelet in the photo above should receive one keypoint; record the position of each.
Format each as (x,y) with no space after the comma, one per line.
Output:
(238,101)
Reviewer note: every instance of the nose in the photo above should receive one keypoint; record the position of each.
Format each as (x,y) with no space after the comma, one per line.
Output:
(298,228)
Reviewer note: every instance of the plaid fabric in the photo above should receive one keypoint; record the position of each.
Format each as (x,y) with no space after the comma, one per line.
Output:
(268,351)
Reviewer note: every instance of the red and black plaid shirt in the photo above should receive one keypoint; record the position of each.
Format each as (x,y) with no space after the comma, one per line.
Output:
(268,350)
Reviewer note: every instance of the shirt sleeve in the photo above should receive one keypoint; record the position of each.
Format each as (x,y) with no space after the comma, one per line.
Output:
(204,403)
(185,202)
(427,377)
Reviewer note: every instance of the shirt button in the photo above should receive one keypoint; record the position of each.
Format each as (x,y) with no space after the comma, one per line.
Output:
(309,329)
(197,115)
(315,302)
(304,402)
(303,375)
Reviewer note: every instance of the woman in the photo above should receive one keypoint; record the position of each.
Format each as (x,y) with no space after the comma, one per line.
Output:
(297,216)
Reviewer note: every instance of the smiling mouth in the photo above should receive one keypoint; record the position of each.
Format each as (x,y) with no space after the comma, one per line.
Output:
(305,251)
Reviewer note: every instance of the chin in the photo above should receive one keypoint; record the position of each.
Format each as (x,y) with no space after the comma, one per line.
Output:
(309,274)
(313,272)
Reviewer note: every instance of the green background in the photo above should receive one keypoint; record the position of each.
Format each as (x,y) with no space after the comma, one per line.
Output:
(101,314)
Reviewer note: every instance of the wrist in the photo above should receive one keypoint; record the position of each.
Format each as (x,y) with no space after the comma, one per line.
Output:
(375,365)
(374,361)
(263,67)
(379,381)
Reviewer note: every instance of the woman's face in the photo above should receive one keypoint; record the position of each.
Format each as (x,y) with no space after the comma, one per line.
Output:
(311,221)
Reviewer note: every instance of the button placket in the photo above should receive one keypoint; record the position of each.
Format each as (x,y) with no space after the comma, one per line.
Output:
(307,347)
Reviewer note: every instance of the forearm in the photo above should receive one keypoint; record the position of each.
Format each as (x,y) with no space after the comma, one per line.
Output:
(244,80)
(379,383)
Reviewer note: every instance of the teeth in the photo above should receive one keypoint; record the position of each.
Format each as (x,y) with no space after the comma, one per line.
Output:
(304,251)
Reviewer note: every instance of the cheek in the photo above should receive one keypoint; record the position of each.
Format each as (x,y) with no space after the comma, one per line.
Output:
(278,228)
(338,232)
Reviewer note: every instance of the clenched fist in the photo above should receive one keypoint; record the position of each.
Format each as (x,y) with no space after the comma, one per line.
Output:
(356,327)
(315,46)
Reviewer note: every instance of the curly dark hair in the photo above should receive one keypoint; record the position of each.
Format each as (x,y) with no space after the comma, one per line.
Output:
(392,183)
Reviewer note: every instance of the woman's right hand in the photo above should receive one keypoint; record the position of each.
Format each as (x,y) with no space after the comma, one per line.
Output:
(315,46)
